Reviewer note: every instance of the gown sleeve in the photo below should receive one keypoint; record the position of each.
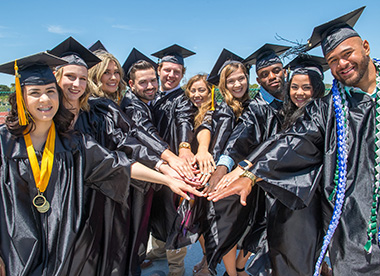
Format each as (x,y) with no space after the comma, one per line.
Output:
(145,130)
(106,171)
(255,125)
(120,132)
(290,163)
(185,111)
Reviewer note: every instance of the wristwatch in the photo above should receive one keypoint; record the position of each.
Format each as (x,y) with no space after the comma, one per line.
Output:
(244,165)
(249,175)
(185,145)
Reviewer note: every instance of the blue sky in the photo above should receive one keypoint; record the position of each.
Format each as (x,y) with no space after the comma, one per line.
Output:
(203,26)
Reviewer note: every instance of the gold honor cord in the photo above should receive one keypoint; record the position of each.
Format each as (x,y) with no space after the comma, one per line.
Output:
(212,98)
(41,177)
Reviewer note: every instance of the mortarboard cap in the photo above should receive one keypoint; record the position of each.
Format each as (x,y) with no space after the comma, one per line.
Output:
(304,63)
(334,32)
(174,54)
(134,57)
(226,57)
(34,69)
(31,70)
(97,46)
(75,53)
(266,56)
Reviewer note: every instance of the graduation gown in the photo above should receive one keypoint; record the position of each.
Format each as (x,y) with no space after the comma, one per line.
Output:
(173,116)
(301,162)
(112,129)
(142,116)
(220,235)
(32,243)
(274,253)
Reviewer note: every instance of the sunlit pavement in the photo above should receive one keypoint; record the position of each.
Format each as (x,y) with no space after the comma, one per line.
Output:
(194,255)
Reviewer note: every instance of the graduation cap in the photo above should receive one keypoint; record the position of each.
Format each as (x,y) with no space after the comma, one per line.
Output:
(226,57)
(334,32)
(31,70)
(266,56)
(304,63)
(173,54)
(134,57)
(75,53)
(97,46)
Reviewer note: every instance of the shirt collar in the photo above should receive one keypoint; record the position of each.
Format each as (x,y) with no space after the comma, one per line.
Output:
(268,97)
(171,90)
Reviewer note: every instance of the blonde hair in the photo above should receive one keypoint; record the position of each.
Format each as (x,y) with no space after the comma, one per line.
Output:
(96,72)
(206,106)
(231,101)
(83,100)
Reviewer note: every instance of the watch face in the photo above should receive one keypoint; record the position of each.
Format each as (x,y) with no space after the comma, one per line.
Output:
(243,164)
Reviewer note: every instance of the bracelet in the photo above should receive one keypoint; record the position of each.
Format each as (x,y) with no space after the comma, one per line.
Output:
(158,165)
(184,145)
(249,175)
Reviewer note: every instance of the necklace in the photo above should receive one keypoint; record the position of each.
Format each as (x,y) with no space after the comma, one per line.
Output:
(41,176)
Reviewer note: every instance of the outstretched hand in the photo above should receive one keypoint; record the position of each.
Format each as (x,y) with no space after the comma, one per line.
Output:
(181,188)
(242,187)
(215,178)
(229,178)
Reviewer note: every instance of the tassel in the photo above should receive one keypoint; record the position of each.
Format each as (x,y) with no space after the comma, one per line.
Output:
(212,98)
(23,121)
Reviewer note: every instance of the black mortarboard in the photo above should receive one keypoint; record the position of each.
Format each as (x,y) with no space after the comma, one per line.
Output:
(31,70)
(97,46)
(266,56)
(75,53)
(334,32)
(226,57)
(174,54)
(34,69)
(134,57)
(304,63)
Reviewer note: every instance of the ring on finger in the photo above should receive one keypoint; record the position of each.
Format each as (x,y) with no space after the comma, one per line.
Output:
(227,180)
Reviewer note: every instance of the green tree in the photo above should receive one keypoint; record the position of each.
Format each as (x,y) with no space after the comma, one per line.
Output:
(4,87)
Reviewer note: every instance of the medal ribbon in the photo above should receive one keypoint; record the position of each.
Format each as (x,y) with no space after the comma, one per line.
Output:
(41,177)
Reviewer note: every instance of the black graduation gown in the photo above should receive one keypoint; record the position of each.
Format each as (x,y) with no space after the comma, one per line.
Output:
(273,254)
(174,117)
(32,243)
(142,116)
(112,129)
(298,163)
(219,236)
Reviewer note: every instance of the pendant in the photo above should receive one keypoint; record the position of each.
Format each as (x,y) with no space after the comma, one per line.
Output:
(41,204)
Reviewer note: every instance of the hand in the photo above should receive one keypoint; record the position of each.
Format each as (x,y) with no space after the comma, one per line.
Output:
(181,166)
(167,170)
(181,188)
(187,155)
(229,178)
(242,187)
(215,178)
(206,165)
(2,267)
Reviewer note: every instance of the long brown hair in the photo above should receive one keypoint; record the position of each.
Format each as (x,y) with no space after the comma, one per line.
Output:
(231,101)
(206,105)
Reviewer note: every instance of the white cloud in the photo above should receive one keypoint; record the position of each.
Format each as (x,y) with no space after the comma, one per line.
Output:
(57,29)
(130,28)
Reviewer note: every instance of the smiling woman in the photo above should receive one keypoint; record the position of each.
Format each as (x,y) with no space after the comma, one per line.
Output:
(105,79)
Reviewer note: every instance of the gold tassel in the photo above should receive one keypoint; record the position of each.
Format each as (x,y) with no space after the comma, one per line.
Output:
(22,119)
(212,98)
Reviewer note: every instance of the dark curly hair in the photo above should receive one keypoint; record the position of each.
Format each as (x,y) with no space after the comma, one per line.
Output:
(290,111)
(62,119)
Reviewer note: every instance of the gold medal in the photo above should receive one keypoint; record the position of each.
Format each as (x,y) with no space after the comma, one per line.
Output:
(41,176)
(41,204)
